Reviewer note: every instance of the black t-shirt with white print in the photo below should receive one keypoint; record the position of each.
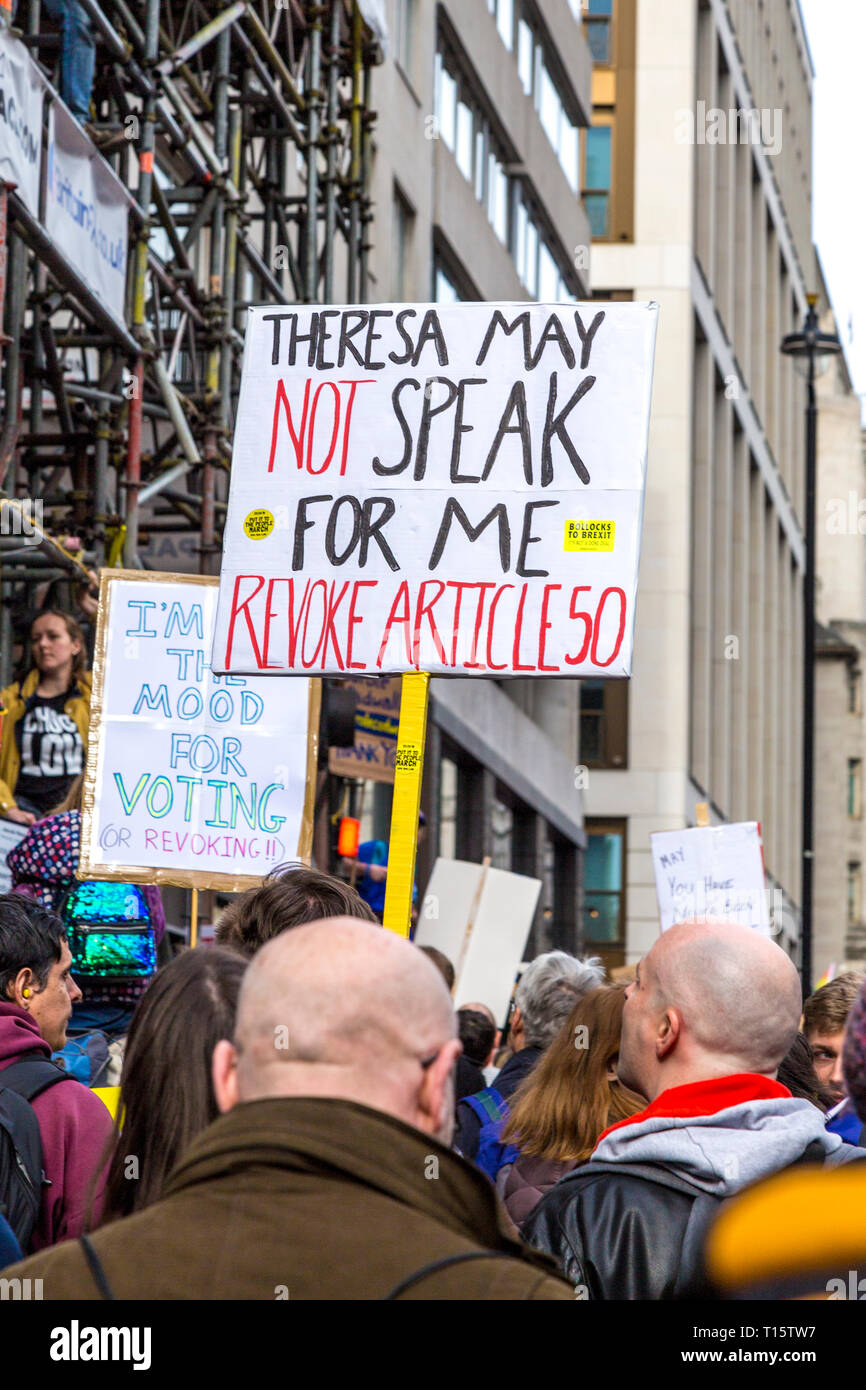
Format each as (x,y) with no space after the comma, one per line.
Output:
(51,751)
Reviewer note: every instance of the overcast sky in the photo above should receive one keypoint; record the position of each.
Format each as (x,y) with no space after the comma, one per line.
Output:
(837,38)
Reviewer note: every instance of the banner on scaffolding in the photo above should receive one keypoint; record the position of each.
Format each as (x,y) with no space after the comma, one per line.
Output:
(86,210)
(21,95)
(451,488)
(193,779)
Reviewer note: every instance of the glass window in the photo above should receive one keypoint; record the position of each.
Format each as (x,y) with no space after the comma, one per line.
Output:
(505,21)
(520,240)
(855,801)
(501,831)
(569,155)
(524,55)
(445,292)
(548,277)
(405,32)
(463,147)
(592,721)
(532,259)
(448,808)
(603,885)
(549,107)
(597,206)
(402,231)
(447,112)
(479,162)
(598,157)
(853,895)
(598,29)
(497,209)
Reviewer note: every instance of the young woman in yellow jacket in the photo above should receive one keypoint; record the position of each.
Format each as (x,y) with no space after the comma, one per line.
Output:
(46,720)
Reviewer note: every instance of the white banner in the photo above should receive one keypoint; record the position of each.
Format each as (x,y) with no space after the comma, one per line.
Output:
(711,871)
(21,94)
(453,488)
(195,779)
(86,210)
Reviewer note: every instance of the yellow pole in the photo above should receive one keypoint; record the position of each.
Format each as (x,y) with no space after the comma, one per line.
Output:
(408,771)
(193,919)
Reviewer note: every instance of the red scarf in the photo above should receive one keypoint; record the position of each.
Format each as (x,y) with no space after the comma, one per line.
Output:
(706,1098)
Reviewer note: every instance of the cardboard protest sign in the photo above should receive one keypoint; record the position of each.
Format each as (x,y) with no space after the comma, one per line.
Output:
(444,488)
(711,871)
(377,718)
(195,779)
(480,919)
(11,834)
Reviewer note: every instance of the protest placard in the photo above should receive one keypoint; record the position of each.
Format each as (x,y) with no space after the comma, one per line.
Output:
(480,918)
(377,716)
(195,779)
(11,834)
(455,489)
(711,871)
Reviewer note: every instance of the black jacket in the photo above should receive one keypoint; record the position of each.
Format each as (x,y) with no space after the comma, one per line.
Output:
(516,1069)
(623,1231)
(634,1231)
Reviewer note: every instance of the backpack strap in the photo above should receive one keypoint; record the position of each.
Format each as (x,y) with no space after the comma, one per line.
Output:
(31,1075)
(436,1265)
(488,1104)
(100,1278)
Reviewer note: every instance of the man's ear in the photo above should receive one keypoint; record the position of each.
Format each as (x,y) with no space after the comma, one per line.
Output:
(15,989)
(668,1034)
(434,1096)
(224,1073)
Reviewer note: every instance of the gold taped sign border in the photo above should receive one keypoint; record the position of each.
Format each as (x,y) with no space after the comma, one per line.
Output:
(140,873)
(408,771)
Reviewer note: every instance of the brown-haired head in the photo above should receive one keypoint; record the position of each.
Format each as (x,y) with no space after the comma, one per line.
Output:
(573,1094)
(827,1009)
(166,1090)
(289,897)
(75,634)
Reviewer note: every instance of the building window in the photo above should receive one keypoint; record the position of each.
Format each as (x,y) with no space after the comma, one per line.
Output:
(448,808)
(853,690)
(596,178)
(604,723)
(855,788)
(604,884)
(466,131)
(597,20)
(854,894)
(444,289)
(503,13)
(464,127)
(536,263)
(404,34)
(501,833)
(401,242)
(538,84)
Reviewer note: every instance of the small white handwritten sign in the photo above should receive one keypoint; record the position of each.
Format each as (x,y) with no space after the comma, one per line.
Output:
(712,871)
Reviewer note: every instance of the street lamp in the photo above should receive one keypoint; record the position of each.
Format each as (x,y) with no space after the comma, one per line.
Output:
(811,350)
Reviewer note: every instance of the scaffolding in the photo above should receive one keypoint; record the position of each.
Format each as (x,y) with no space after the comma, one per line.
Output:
(244,140)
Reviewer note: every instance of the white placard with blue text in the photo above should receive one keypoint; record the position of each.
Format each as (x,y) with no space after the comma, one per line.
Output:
(712,871)
(192,778)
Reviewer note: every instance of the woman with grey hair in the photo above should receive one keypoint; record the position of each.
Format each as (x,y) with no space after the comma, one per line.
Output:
(548,990)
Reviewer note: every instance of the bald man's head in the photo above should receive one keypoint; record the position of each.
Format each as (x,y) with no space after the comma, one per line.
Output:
(710,999)
(341,1009)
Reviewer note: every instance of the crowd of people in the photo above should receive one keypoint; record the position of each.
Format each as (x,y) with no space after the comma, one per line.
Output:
(302,1113)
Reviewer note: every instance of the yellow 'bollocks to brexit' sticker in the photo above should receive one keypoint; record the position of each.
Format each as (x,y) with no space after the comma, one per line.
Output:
(589,535)
(259,524)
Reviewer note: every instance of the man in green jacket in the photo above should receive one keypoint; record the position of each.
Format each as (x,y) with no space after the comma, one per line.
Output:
(328,1174)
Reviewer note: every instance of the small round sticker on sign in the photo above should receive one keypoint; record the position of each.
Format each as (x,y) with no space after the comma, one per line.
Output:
(259,524)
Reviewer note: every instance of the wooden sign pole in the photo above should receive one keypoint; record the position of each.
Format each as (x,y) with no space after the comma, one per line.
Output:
(193,919)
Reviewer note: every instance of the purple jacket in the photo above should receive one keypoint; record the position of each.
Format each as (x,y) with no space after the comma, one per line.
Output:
(74,1127)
